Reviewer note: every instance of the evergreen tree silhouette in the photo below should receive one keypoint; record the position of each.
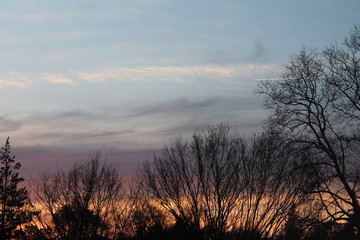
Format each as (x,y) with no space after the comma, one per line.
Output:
(12,198)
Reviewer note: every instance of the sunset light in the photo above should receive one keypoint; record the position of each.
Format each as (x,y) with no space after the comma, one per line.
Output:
(165,119)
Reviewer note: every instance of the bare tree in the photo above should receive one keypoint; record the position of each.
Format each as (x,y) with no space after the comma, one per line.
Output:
(197,181)
(215,183)
(342,69)
(170,180)
(80,203)
(274,186)
(317,104)
(219,153)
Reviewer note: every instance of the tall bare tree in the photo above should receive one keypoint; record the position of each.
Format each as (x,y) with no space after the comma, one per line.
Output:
(220,154)
(197,181)
(317,104)
(274,186)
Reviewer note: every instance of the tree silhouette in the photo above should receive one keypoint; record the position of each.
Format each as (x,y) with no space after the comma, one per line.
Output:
(273,186)
(148,220)
(293,229)
(13,199)
(317,104)
(197,182)
(74,222)
(81,203)
(215,183)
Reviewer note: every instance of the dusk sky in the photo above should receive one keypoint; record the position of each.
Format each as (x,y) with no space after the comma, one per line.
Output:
(124,77)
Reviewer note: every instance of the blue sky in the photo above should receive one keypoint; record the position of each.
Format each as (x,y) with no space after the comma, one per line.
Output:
(77,76)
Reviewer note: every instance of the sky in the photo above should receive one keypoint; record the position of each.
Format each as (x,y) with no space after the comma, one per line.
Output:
(125,76)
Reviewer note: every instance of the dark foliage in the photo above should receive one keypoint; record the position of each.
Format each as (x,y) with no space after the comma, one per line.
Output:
(14,206)
(81,203)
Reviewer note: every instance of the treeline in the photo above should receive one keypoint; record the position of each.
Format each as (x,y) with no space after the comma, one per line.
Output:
(298,179)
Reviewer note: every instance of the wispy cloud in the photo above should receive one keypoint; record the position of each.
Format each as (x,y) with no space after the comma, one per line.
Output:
(231,75)
(58,79)
(268,79)
(9,83)
(142,74)
(8,125)
(134,126)
(178,106)
(13,79)
(177,74)
(20,80)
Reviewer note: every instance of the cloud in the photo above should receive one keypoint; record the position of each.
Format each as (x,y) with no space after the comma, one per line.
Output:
(58,79)
(179,106)
(258,51)
(7,125)
(268,79)
(135,125)
(126,136)
(19,80)
(9,83)
(252,54)
(177,74)
(70,119)
(234,74)
(142,74)
(76,136)
(180,116)
(13,79)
